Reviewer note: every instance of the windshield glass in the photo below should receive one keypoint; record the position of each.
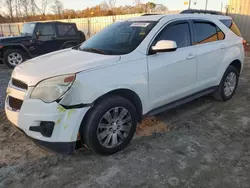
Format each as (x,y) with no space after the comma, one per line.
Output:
(28,29)
(119,38)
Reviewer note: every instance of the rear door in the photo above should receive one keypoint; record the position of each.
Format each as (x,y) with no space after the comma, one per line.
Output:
(210,50)
(67,35)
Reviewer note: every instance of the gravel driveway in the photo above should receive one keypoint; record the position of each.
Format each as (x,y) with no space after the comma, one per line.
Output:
(204,144)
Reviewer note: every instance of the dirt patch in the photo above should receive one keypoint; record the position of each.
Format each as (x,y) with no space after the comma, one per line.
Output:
(151,125)
(208,146)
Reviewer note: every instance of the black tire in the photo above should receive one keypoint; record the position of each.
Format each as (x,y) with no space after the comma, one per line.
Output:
(82,36)
(219,94)
(90,124)
(10,51)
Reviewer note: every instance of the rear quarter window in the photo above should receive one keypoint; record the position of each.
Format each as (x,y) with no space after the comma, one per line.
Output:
(232,26)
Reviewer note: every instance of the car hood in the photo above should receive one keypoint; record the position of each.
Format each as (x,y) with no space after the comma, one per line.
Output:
(14,39)
(58,63)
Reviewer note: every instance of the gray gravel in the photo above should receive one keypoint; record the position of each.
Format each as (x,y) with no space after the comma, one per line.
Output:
(4,79)
(207,146)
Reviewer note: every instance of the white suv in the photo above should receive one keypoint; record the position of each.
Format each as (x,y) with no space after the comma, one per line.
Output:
(96,93)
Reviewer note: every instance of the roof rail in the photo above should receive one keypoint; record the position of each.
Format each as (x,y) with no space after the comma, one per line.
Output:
(196,11)
(150,14)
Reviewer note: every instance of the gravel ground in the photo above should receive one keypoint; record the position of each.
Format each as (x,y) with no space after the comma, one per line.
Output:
(204,144)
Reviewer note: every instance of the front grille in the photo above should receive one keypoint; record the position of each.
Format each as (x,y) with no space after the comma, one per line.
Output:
(19,84)
(14,103)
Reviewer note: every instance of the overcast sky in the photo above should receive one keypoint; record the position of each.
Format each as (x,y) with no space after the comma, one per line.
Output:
(171,4)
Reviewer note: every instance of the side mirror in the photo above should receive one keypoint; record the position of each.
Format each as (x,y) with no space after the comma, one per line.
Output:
(38,34)
(164,46)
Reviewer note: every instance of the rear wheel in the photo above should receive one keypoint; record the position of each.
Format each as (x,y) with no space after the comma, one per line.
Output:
(13,57)
(110,126)
(228,85)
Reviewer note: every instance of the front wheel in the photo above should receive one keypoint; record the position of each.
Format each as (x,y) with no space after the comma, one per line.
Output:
(110,126)
(228,85)
(13,57)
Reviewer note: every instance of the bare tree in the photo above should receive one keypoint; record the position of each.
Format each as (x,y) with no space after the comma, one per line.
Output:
(111,4)
(10,8)
(137,2)
(104,5)
(33,7)
(42,6)
(25,7)
(57,7)
(18,8)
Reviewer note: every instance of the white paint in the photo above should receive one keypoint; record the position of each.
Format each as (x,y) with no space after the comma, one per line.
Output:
(157,79)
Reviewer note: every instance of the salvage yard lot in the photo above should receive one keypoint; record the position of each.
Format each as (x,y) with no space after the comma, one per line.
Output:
(204,143)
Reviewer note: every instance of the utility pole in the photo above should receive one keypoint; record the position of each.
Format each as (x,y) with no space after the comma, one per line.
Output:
(206,4)
(222,6)
(189,5)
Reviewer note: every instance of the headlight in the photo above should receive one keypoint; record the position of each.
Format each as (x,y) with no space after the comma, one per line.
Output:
(51,89)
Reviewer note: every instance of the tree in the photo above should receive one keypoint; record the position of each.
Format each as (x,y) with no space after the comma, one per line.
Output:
(111,4)
(57,7)
(150,6)
(25,7)
(33,7)
(137,2)
(9,5)
(43,6)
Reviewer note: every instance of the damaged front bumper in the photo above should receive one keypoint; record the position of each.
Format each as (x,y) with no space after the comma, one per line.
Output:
(49,125)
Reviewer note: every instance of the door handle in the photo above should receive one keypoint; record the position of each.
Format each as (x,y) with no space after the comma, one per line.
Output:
(191,56)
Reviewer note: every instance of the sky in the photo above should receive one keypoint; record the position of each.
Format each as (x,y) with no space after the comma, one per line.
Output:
(171,4)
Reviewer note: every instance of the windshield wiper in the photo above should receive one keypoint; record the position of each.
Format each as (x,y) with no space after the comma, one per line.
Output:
(94,50)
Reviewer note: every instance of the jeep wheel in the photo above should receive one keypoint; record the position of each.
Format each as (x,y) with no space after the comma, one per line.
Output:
(110,126)
(13,57)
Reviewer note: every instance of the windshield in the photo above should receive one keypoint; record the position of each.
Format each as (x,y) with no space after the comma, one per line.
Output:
(119,38)
(28,29)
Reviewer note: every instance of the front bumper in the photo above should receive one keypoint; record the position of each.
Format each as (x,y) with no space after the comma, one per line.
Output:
(65,148)
(33,112)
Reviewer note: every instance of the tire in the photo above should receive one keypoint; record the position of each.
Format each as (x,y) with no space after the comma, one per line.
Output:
(18,54)
(93,135)
(82,36)
(221,94)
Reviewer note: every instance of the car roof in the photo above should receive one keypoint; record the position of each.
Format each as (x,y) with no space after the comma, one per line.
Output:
(49,22)
(178,16)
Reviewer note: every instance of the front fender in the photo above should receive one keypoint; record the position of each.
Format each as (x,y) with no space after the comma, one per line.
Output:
(18,46)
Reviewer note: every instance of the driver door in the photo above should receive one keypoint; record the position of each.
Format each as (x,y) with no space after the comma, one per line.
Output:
(45,41)
(172,75)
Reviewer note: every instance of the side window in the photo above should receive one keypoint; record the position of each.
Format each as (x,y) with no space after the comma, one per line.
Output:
(180,33)
(65,30)
(221,35)
(205,32)
(232,26)
(45,29)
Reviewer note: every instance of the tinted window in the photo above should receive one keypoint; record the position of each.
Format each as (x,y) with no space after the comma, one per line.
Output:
(45,29)
(118,38)
(205,32)
(180,33)
(232,26)
(221,35)
(66,30)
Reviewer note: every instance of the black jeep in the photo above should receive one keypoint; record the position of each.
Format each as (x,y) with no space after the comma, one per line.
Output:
(39,38)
